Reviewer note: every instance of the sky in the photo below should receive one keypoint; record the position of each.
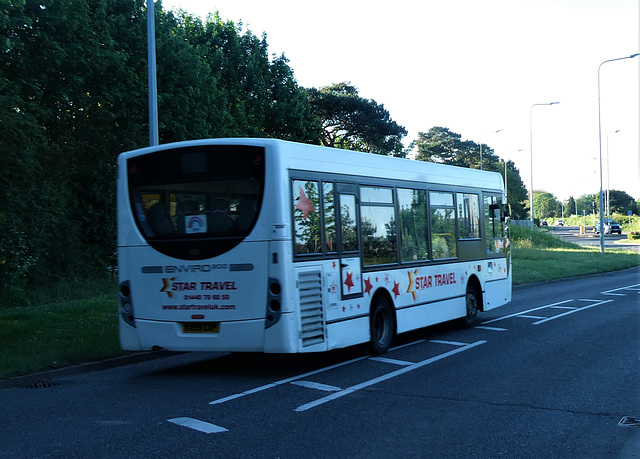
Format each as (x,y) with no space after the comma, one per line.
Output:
(477,67)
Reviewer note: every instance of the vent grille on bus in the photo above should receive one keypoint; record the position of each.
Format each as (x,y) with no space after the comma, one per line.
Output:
(310,288)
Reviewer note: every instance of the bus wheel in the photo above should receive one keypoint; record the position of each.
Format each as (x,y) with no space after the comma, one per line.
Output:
(471,299)
(382,325)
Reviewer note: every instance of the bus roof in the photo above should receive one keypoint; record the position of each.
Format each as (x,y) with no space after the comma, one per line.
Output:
(299,156)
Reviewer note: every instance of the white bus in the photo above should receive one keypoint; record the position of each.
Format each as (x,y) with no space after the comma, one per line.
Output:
(273,246)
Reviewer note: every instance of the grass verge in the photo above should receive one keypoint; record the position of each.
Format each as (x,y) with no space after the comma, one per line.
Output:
(539,265)
(37,338)
(538,256)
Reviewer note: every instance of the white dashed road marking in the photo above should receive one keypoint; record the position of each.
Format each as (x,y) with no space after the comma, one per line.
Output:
(318,386)
(200,426)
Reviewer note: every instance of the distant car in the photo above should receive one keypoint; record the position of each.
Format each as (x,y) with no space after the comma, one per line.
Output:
(544,223)
(559,223)
(610,226)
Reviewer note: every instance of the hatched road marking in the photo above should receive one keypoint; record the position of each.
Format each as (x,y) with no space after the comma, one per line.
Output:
(393,374)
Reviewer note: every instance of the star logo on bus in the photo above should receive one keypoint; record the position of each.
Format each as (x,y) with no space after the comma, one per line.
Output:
(305,205)
(166,285)
(368,286)
(349,281)
(396,289)
(411,287)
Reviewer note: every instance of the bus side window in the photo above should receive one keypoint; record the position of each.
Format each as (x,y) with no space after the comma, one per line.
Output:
(306,217)
(412,225)
(494,224)
(378,225)
(348,224)
(443,225)
(468,216)
(328,197)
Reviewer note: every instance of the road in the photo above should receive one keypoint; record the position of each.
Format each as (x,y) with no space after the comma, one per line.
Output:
(554,374)
(572,234)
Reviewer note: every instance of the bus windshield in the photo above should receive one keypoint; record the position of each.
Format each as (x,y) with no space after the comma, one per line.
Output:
(196,202)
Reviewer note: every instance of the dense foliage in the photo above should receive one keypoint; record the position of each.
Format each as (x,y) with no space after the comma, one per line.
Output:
(618,202)
(73,95)
(352,122)
(441,145)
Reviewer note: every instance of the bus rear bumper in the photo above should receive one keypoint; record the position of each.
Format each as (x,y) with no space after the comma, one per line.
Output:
(241,336)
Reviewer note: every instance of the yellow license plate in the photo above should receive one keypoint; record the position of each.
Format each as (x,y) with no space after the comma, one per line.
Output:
(201,327)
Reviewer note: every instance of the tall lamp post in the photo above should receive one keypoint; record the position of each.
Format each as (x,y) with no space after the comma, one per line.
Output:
(481,149)
(151,75)
(531,153)
(505,174)
(608,204)
(600,145)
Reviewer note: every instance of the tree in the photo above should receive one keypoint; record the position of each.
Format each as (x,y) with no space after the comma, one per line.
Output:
(545,204)
(259,97)
(73,95)
(441,145)
(621,202)
(517,194)
(570,206)
(352,122)
(588,204)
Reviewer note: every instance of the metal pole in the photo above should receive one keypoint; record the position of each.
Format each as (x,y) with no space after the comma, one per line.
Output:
(600,145)
(608,183)
(531,153)
(481,149)
(505,178)
(154,138)
(531,165)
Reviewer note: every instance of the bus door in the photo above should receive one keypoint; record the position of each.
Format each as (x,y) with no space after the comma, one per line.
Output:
(349,247)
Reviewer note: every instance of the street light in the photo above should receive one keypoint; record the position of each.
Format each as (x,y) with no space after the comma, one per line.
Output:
(151,74)
(608,206)
(505,173)
(600,145)
(495,132)
(531,153)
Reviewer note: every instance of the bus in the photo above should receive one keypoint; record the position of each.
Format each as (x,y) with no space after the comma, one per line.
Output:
(264,245)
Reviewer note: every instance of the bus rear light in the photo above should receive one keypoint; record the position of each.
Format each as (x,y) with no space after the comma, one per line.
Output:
(275,288)
(197,316)
(257,159)
(274,303)
(126,305)
(125,291)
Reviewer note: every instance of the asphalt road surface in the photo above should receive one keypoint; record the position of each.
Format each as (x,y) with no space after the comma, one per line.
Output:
(589,238)
(555,374)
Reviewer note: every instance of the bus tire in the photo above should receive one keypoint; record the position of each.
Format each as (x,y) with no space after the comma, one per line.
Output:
(382,325)
(471,302)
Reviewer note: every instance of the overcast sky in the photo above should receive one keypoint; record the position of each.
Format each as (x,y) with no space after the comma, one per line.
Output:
(476,67)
